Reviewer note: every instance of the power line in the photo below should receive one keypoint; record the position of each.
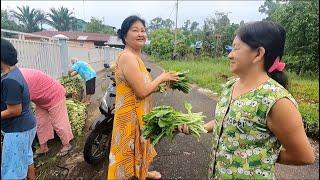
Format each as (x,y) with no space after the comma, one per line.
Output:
(173,8)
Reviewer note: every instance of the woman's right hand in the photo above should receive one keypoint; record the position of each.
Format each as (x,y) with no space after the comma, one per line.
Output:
(168,76)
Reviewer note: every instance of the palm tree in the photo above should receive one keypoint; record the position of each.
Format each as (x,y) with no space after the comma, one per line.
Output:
(28,18)
(74,24)
(61,19)
(42,16)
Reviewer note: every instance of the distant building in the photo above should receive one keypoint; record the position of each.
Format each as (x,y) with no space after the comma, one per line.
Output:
(114,41)
(78,38)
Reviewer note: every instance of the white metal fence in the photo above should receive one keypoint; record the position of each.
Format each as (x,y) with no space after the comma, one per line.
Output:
(48,54)
(95,56)
(44,56)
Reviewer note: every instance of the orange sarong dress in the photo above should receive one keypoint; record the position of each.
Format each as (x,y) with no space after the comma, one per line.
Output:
(130,154)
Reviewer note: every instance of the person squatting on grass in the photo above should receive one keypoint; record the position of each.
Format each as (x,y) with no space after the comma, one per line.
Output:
(51,111)
(18,123)
(257,122)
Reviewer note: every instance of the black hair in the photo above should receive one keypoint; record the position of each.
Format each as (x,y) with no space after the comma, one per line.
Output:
(271,37)
(126,24)
(8,53)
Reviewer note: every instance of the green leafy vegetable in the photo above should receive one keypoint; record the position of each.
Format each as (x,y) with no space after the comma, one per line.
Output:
(77,113)
(74,87)
(182,84)
(163,121)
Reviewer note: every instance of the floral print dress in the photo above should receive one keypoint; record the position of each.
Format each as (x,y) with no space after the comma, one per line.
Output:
(243,146)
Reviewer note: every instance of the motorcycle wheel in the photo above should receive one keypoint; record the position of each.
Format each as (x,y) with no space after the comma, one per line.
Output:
(97,145)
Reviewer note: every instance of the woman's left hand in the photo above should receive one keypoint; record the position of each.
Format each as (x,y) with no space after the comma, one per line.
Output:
(184,129)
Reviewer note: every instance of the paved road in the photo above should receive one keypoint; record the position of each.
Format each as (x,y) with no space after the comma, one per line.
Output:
(184,157)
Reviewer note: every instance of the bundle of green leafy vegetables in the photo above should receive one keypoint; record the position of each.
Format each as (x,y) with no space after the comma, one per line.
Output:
(182,84)
(74,87)
(164,120)
(77,113)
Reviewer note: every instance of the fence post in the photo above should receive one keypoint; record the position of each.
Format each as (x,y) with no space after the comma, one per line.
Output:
(106,54)
(63,53)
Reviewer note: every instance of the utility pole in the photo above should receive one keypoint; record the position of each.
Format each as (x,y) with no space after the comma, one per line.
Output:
(175,35)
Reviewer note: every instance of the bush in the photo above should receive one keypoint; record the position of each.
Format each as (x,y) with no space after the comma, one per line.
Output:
(162,45)
(300,19)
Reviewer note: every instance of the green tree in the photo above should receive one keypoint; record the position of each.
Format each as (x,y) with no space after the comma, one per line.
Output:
(194,26)
(221,21)
(184,41)
(190,26)
(78,24)
(207,37)
(159,23)
(189,33)
(161,44)
(42,17)
(168,23)
(269,7)
(7,23)
(60,19)
(228,34)
(186,25)
(217,33)
(96,25)
(300,19)
(29,18)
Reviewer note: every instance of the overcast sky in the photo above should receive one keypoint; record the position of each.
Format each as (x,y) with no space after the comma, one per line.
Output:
(114,12)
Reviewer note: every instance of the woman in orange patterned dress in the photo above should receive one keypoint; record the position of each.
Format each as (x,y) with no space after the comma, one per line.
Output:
(131,154)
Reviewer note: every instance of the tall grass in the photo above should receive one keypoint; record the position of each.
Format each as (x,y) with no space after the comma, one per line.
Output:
(207,73)
(212,73)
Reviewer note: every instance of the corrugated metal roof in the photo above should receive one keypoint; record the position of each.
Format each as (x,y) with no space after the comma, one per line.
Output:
(114,40)
(76,35)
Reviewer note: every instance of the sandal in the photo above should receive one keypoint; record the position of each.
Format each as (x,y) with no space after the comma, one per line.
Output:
(65,152)
(154,175)
(38,154)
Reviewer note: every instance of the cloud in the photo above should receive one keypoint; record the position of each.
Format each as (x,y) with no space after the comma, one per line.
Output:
(114,12)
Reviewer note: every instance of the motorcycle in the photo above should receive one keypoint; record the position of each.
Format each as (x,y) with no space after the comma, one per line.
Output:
(97,145)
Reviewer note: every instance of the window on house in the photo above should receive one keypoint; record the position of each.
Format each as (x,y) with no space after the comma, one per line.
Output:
(81,42)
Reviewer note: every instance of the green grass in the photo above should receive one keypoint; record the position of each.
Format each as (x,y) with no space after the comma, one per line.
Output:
(212,73)
(306,91)
(207,73)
